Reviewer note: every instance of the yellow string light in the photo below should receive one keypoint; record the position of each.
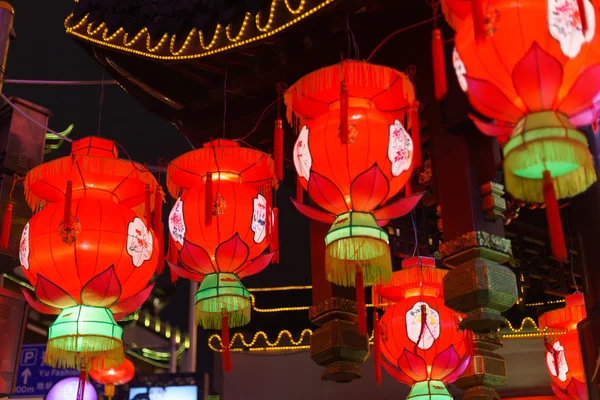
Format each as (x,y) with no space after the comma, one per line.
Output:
(169,52)
(545,303)
(280,288)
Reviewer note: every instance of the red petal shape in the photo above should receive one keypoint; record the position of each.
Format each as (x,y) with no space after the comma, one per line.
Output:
(52,295)
(537,78)
(492,129)
(396,373)
(586,116)
(413,365)
(37,306)
(560,394)
(583,94)
(398,208)
(132,303)
(369,189)
(453,376)
(185,273)
(103,290)
(444,363)
(255,266)
(231,254)
(577,390)
(195,259)
(383,222)
(313,213)
(491,102)
(326,194)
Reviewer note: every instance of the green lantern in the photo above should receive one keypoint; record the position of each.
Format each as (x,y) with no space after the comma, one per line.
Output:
(84,335)
(221,292)
(354,240)
(429,390)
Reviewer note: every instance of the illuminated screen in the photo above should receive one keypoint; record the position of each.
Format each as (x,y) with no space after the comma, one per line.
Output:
(167,393)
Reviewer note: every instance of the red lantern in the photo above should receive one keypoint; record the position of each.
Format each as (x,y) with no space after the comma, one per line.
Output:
(536,75)
(563,351)
(220,226)
(110,377)
(421,342)
(352,155)
(87,252)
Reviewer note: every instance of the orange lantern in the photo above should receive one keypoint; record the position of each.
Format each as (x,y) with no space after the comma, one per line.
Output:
(536,75)
(563,352)
(89,252)
(421,342)
(220,225)
(110,377)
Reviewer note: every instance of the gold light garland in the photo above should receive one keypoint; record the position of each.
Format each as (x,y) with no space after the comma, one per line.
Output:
(194,46)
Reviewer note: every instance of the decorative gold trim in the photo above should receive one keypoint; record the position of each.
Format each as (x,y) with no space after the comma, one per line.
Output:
(194,45)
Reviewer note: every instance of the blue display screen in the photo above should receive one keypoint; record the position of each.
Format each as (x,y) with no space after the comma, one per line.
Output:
(164,393)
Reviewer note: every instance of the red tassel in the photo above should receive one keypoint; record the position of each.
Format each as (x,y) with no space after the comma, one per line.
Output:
(6,222)
(81,385)
(172,259)
(478,19)
(278,152)
(416,135)
(226,354)
(158,229)
(275,236)
(269,213)
(360,302)
(343,113)
(208,199)
(299,191)
(148,207)
(173,276)
(439,65)
(68,202)
(555,229)
(583,16)
(408,189)
(377,346)
(595,126)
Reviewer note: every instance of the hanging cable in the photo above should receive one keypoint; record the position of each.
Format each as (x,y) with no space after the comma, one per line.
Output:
(10,103)
(224,102)
(58,83)
(101,105)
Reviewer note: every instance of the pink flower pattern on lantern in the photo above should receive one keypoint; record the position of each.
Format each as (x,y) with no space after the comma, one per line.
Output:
(564,23)
(557,362)
(423,333)
(24,247)
(302,156)
(139,242)
(177,223)
(400,148)
(460,69)
(259,216)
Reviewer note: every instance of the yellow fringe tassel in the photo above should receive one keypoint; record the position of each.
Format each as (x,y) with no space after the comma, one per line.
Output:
(209,313)
(343,256)
(96,352)
(562,318)
(538,152)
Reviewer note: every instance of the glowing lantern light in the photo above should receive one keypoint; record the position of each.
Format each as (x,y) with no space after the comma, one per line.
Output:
(110,377)
(420,339)
(352,155)
(67,389)
(88,252)
(220,225)
(536,75)
(563,352)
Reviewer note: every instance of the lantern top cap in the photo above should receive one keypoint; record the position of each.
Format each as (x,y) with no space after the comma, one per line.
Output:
(418,276)
(567,317)
(386,89)
(224,160)
(93,166)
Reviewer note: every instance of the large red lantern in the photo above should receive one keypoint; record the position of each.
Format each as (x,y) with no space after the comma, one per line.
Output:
(352,155)
(89,252)
(563,351)
(111,377)
(220,225)
(536,75)
(421,342)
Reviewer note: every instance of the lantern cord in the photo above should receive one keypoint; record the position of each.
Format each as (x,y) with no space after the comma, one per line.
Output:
(351,39)
(224,102)
(416,248)
(58,83)
(400,31)
(571,258)
(18,109)
(281,88)
(101,105)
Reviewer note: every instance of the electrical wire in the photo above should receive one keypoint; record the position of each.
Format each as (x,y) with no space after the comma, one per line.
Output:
(58,83)
(10,103)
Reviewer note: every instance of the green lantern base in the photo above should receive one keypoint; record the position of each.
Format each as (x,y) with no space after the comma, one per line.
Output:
(221,292)
(84,336)
(355,240)
(546,141)
(429,390)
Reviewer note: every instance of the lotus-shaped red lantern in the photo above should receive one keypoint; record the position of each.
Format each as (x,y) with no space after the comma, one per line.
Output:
(352,155)
(536,75)
(219,227)
(563,352)
(88,253)
(421,342)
